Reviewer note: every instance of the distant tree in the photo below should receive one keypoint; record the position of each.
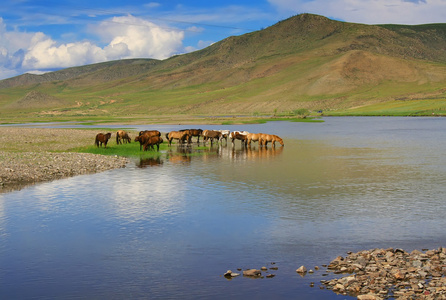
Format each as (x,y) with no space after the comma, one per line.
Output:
(301,112)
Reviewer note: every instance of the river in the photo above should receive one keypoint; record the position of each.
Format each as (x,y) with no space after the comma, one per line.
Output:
(170,228)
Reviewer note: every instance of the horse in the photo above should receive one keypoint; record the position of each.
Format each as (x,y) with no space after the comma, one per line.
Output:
(255,137)
(181,136)
(121,135)
(153,140)
(192,133)
(211,134)
(270,138)
(224,135)
(238,135)
(102,139)
(145,135)
(150,132)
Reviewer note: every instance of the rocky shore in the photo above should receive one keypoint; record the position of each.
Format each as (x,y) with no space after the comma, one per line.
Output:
(375,274)
(390,273)
(31,155)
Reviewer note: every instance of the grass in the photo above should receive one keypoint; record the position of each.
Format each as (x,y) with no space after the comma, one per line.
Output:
(435,107)
(131,150)
(126,150)
(290,119)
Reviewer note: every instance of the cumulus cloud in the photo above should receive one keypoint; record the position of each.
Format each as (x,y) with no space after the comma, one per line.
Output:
(122,37)
(142,38)
(370,12)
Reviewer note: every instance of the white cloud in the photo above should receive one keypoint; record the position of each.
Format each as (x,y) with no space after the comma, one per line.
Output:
(142,38)
(371,11)
(123,37)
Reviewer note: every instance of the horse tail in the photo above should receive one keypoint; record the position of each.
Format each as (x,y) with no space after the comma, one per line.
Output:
(167,135)
(117,137)
(96,142)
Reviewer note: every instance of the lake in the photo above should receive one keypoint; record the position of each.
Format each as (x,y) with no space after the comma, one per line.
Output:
(170,228)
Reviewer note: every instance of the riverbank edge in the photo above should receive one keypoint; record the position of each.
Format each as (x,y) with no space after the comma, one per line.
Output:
(35,155)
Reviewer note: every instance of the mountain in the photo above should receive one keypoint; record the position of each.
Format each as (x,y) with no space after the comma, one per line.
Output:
(306,61)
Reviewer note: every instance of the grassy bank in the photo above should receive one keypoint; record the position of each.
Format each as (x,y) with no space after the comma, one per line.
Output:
(126,150)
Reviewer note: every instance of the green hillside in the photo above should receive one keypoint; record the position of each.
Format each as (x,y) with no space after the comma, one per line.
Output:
(306,61)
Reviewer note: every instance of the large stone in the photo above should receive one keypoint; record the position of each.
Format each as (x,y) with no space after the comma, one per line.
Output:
(369,297)
(252,273)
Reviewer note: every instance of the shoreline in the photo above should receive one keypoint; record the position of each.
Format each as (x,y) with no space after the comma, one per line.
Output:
(34,155)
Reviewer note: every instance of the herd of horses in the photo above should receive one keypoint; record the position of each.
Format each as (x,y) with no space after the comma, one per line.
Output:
(148,139)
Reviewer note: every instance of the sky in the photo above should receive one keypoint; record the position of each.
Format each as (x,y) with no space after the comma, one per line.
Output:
(41,36)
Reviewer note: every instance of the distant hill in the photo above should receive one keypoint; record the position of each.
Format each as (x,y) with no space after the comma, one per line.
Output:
(306,61)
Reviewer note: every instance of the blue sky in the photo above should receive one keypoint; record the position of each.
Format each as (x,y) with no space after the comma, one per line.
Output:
(41,36)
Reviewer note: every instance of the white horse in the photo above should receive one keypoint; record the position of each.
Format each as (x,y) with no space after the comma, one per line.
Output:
(224,135)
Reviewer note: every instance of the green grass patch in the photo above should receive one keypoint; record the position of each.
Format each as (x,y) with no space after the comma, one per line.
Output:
(263,121)
(125,150)
(399,108)
(131,150)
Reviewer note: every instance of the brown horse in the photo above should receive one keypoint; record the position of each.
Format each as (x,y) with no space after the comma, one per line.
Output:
(150,132)
(121,135)
(192,133)
(102,139)
(145,135)
(255,137)
(151,141)
(181,136)
(238,135)
(211,135)
(270,138)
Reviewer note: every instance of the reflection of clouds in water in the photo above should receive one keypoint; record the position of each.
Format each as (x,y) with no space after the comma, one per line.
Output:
(147,194)
(131,194)
(2,217)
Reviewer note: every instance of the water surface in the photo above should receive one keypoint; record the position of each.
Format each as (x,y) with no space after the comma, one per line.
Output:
(169,228)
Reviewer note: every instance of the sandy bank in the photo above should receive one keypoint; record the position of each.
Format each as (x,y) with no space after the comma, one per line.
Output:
(31,155)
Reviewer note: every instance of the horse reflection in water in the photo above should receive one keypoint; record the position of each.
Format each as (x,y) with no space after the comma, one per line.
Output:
(242,153)
(263,153)
(149,162)
(179,156)
(258,153)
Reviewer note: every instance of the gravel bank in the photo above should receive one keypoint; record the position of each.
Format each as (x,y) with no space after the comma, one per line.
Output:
(31,155)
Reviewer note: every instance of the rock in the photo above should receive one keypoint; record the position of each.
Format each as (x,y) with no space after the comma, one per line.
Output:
(252,273)
(369,297)
(301,270)
(398,275)
(229,273)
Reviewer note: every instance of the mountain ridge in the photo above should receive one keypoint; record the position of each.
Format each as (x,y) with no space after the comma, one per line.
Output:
(305,61)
